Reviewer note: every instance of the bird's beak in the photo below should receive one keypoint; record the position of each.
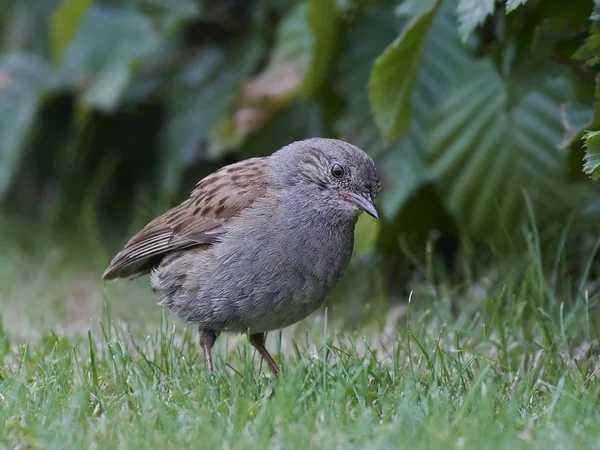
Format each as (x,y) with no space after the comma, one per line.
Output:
(364,202)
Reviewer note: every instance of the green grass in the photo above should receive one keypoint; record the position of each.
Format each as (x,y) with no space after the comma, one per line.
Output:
(516,367)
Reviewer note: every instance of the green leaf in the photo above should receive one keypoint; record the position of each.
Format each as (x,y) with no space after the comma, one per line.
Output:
(511,5)
(5,8)
(591,141)
(167,14)
(300,120)
(471,14)
(366,232)
(576,116)
(322,21)
(25,27)
(393,77)
(443,60)
(200,97)
(63,24)
(486,153)
(293,40)
(590,50)
(414,8)
(21,82)
(305,39)
(104,67)
(364,42)
(300,60)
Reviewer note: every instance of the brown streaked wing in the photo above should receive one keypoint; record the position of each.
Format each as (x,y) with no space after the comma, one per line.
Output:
(196,221)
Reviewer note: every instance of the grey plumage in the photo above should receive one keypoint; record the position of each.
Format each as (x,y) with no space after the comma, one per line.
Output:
(259,244)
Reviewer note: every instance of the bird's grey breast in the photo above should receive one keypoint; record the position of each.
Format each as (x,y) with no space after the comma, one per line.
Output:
(286,258)
(270,267)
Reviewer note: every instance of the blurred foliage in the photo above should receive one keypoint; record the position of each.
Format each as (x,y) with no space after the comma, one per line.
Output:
(592,156)
(470,108)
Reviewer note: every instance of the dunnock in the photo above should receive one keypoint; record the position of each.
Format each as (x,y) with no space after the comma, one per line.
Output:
(259,244)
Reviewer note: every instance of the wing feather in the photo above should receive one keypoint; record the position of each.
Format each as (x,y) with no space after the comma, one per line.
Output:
(197,221)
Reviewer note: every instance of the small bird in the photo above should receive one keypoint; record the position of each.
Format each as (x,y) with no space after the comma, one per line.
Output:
(259,244)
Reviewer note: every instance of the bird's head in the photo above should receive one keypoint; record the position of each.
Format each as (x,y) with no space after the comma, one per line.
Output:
(338,175)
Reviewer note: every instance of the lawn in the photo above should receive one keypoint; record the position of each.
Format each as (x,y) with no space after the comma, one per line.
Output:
(509,360)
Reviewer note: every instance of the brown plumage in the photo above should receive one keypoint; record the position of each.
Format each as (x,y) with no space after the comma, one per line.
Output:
(195,222)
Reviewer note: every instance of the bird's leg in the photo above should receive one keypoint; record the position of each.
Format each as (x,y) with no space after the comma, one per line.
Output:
(207,340)
(258,342)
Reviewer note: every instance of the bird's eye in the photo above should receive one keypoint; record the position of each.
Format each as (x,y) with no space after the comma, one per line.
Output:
(337,171)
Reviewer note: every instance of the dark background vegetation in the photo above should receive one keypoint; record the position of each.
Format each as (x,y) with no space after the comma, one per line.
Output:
(476,111)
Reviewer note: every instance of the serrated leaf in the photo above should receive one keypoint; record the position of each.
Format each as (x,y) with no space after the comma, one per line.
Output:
(393,77)
(478,141)
(105,66)
(591,141)
(511,5)
(21,82)
(444,58)
(63,24)
(471,14)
